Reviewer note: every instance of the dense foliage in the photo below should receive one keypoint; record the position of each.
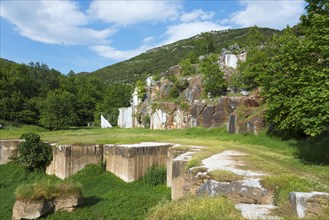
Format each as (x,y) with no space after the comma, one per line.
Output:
(33,153)
(293,71)
(213,78)
(35,94)
(160,59)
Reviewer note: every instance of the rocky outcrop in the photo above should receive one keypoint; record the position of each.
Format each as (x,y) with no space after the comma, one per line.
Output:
(309,205)
(32,209)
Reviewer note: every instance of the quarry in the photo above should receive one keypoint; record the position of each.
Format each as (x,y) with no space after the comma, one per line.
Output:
(131,161)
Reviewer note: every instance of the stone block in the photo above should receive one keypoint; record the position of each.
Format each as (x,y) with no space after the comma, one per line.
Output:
(309,205)
(31,209)
(130,162)
(8,149)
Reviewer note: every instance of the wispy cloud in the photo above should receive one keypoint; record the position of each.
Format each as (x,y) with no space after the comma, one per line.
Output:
(132,12)
(197,15)
(274,14)
(52,22)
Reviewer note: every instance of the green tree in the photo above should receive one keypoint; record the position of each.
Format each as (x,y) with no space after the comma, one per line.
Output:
(297,83)
(116,96)
(33,153)
(186,67)
(58,110)
(206,41)
(213,78)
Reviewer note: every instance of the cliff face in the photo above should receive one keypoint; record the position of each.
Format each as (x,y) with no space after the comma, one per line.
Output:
(176,101)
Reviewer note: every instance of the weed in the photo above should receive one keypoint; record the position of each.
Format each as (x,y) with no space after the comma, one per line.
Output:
(155,175)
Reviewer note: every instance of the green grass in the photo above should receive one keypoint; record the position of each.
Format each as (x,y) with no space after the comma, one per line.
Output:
(224,176)
(283,160)
(105,195)
(196,208)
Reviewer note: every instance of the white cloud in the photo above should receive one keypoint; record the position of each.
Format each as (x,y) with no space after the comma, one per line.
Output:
(186,30)
(118,55)
(197,14)
(52,22)
(274,14)
(132,12)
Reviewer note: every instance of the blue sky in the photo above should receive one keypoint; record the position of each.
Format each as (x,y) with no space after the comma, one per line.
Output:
(88,35)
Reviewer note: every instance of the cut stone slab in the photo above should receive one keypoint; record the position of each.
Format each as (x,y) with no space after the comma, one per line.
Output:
(225,161)
(308,205)
(31,209)
(130,161)
(252,211)
(242,191)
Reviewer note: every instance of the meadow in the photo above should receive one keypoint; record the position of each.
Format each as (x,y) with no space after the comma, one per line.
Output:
(293,165)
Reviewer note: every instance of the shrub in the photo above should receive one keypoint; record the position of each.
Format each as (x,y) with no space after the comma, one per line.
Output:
(33,153)
(156,175)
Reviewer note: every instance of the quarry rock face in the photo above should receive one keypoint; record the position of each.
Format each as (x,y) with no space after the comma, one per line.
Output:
(309,205)
(8,149)
(31,209)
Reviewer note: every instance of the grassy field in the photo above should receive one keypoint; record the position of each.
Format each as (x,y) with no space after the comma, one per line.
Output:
(293,166)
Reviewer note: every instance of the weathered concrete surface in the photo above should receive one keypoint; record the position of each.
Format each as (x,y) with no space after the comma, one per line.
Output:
(131,161)
(180,178)
(309,205)
(173,152)
(8,149)
(31,209)
(69,159)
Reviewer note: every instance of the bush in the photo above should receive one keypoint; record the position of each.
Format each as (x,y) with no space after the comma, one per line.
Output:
(33,153)
(156,175)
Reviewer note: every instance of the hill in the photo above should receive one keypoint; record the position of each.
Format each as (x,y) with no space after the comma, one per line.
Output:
(159,59)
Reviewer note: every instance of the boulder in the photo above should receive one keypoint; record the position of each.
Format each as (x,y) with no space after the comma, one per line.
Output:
(309,205)
(67,203)
(31,209)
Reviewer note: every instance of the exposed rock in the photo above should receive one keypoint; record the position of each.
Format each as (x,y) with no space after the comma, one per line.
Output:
(309,205)
(252,211)
(231,61)
(207,116)
(8,149)
(67,203)
(31,209)
(242,191)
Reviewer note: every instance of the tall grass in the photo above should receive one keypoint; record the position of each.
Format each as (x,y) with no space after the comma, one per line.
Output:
(196,208)
(48,188)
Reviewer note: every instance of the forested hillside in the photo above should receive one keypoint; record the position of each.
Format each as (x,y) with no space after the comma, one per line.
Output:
(158,60)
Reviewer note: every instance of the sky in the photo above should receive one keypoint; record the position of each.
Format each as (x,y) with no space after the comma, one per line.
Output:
(84,36)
